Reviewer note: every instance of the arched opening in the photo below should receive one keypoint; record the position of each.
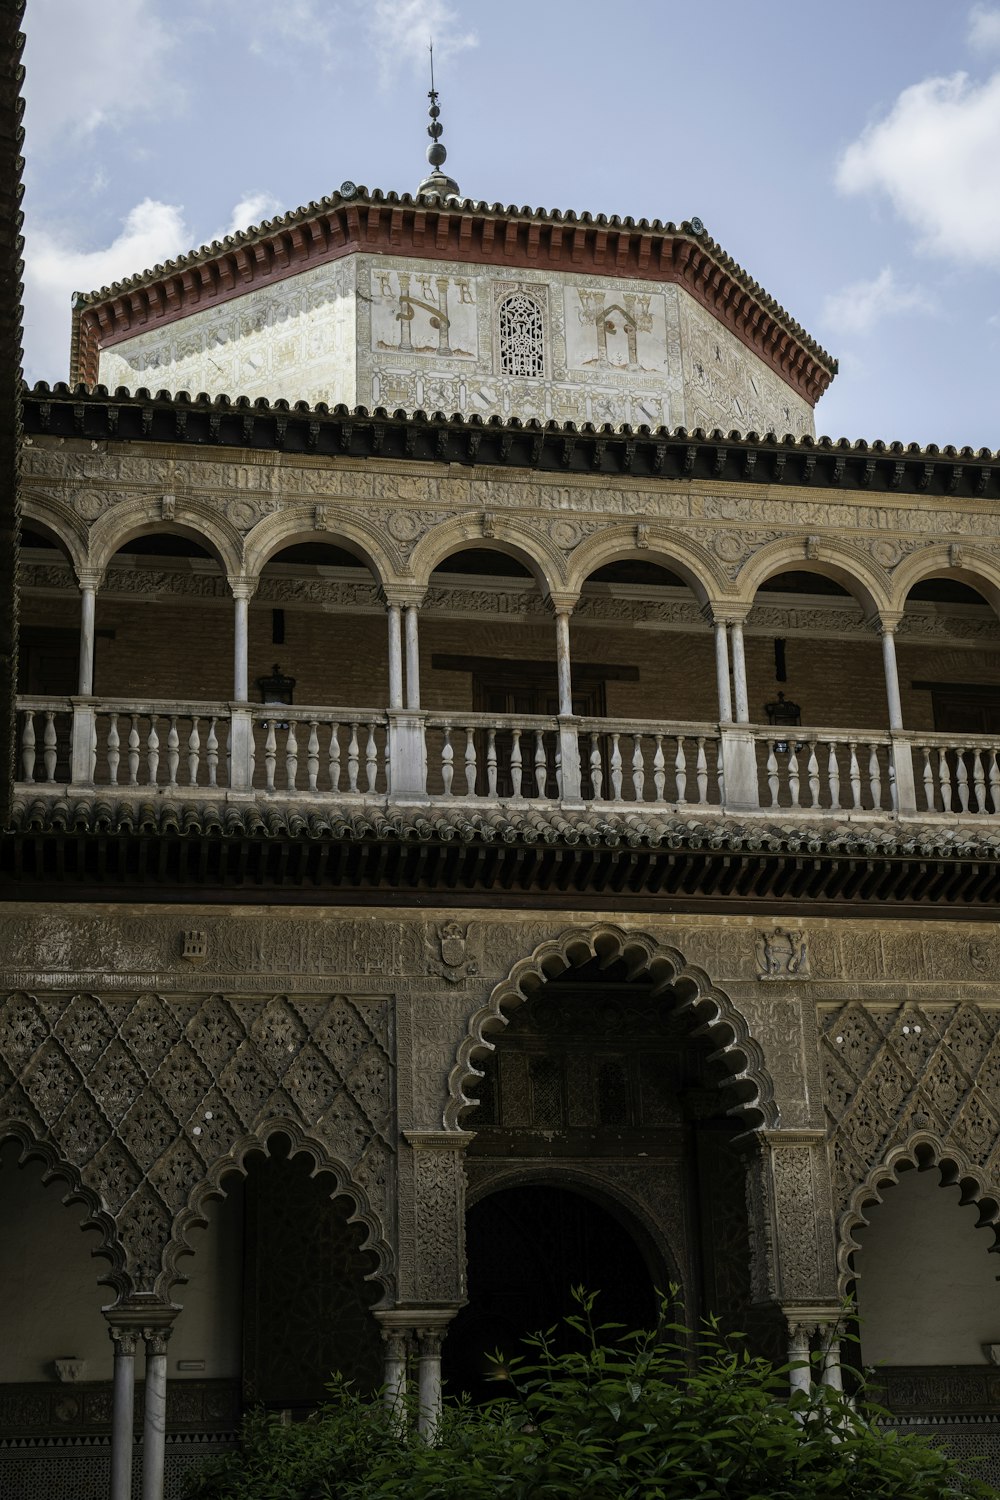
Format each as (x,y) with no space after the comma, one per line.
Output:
(527,1247)
(639,634)
(318,642)
(926,1287)
(599,1086)
(488,677)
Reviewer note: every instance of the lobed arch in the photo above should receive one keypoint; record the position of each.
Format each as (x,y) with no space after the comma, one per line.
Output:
(976,568)
(288,528)
(716,1014)
(69,534)
(921,1150)
(614,544)
(118,527)
(96,1215)
(497,534)
(193,1216)
(838,561)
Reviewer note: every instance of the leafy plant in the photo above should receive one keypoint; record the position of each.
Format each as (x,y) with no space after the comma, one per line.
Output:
(623,1416)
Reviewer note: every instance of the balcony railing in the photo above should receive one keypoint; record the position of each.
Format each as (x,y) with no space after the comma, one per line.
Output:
(238,750)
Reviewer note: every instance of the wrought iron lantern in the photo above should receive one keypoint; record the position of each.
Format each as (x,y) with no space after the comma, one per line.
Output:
(783,712)
(277,688)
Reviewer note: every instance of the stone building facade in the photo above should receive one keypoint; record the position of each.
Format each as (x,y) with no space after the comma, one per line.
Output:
(415,876)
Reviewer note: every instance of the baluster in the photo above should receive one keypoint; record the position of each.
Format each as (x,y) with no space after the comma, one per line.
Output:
(944,780)
(963,781)
(353,759)
(471,764)
(212,752)
(541,763)
(28,745)
(596,768)
(701,771)
(833,776)
(371,757)
(152,753)
(312,755)
(659,774)
(638,769)
(516,769)
(194,753)
(447,761)
(979,775)
(270,755)
(855,772)
(133,752)
(173,751)
(875,778)
(680,770)
(559,790)
(928,778)
(616,768)
(334,760)
(491,763)
(812,771)
(49,742)
(114,744)
(291,756)
(773,776)
(793,773)
(994,782)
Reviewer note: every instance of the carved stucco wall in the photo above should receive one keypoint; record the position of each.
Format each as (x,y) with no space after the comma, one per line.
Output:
(334,1025)
(424,335)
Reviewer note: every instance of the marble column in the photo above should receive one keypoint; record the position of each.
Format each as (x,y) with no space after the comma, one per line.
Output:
(800,1373)
(88,617)
(891,676)
(394,1374)
(122,1412)
(395,656)
(833,1375)
(429,1341)
(412,658)
(722,672)
(742,704)
(563,661)
(241,649)
(154,1424)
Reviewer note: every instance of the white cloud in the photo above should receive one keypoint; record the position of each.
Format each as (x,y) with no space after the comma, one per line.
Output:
(984,28)
(405,27)
(90,67)
(56,267)
(936,158)
(858,307)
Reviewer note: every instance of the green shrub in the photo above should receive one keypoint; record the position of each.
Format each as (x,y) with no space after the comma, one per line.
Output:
(621,1418)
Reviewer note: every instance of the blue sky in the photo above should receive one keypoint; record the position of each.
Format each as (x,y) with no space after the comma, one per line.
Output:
(847,155)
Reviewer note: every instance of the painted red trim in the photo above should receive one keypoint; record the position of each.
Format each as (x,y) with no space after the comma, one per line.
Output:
(452,235)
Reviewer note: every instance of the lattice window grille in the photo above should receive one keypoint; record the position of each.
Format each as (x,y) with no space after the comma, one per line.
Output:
(522,340)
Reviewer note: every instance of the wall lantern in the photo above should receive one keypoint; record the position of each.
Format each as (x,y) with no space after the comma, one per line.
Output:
(277,688)
(781,711)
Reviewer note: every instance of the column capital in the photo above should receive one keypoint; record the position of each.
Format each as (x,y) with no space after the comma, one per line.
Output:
(90,578)
(125,1339)
(156,1337)
(562,601)
(243,585)
(719,612)
(884,621)
(406,595)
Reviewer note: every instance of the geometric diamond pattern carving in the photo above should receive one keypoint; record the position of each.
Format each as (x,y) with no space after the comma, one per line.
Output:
(889,1074)
(146,1094)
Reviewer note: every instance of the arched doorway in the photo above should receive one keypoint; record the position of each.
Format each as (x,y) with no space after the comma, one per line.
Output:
(528,1246)
(601,1088)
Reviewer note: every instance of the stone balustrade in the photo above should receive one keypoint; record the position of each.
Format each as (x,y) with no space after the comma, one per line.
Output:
(239,750)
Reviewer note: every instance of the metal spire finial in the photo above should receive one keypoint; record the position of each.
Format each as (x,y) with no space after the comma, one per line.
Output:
(437,183)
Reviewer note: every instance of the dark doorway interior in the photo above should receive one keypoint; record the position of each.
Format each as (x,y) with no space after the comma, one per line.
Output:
(527,1248)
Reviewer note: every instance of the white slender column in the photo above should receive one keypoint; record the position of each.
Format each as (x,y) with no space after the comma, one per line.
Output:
(243,591)
(88,615)
(412,658)
(154,1424)
(394,1374)
(395,656)
(563,665)
(833,1374)
(722,672)
(739,673)
(429,1341)
(122,1412)
(891,676)
(800,1373)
